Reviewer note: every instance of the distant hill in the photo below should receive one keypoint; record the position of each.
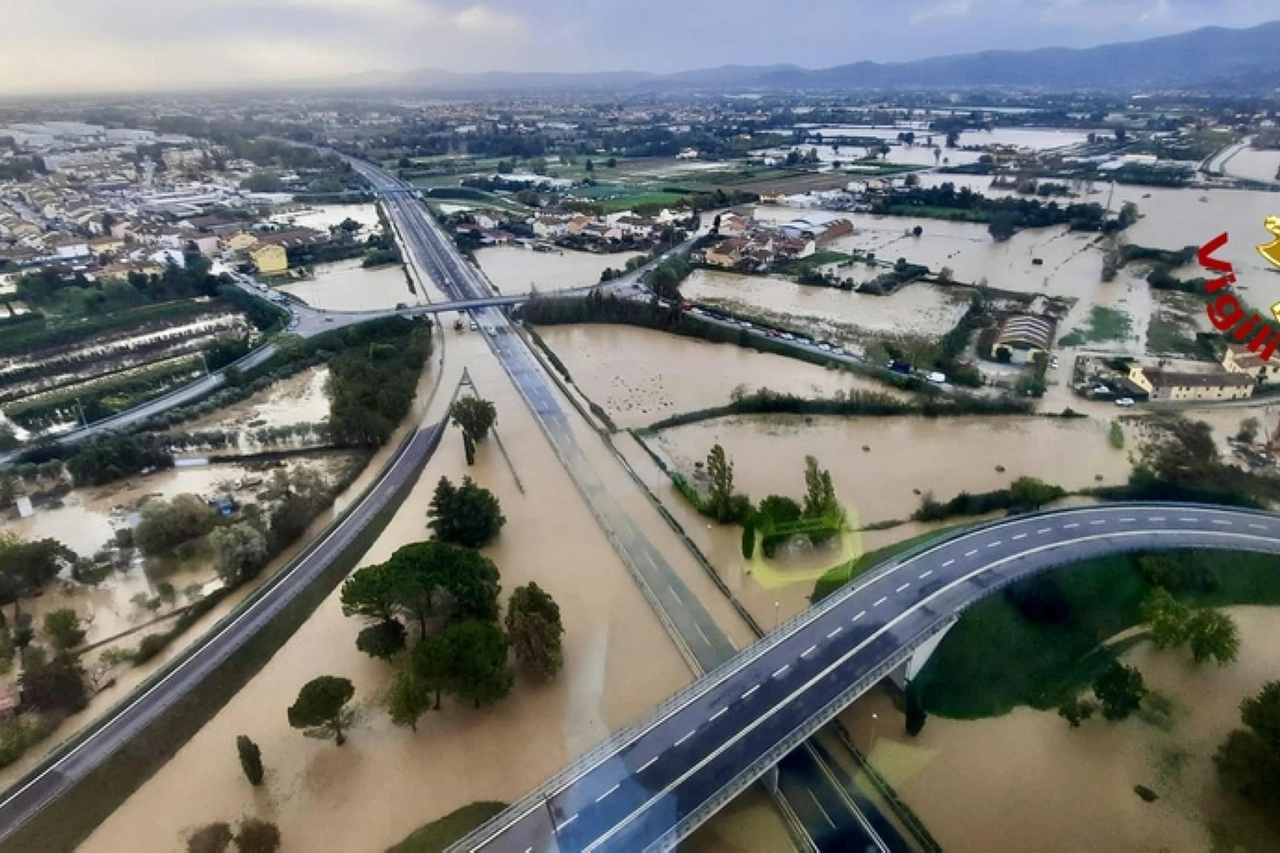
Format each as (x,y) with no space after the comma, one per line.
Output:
(1238,60)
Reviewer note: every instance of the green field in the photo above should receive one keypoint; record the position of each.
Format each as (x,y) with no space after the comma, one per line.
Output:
(1105,324)
(996,659)
(434,837)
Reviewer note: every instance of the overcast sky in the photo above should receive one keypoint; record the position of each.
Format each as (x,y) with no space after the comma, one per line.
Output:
(96,45)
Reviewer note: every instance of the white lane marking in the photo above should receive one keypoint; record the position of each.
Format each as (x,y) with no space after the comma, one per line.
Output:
(944,565)
(1128,520)
(832,635)
(566,823)
(718,714)
(686,737)
(808,651)
(843,659)
(1070,526)
(971,553)
(1019,536)
(928,572)
(608,792)
(673,592)
(1043,530)
(1155,518)
(861,613)
(995,543)
(752,689)
(701,633)
(814,797)
(647,764)
(1258,526)
(1222,521)
(901,588)
(777,672)
(1098,521)
(1189,518)
(882,600)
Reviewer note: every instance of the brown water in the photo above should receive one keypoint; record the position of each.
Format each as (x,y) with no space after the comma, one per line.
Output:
(944,455)
(1255,165)
(515,269)
(298,399)
(387,781)
(641,375)
(346,286)
(1034,784)
(322,217)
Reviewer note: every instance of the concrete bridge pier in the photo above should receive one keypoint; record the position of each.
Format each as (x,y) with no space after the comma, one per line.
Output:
(921,655)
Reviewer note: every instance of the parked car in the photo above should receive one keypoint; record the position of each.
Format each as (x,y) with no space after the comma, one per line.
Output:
(1124,402)
(937,378)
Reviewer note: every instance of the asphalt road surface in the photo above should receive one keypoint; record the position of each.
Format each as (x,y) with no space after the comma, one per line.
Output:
(130,718)
(651,785)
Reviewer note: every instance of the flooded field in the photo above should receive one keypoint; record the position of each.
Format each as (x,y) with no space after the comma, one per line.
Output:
(1254,164)
(640,375)
(345,286)
(1034,783)
(386,781)
(325,216)
(919,309)
(881,468)
(298,399)
(515,270)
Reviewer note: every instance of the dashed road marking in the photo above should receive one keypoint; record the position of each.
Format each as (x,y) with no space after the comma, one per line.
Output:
(675,594)
(1188,519)
(1156,518)
(566,823)
(1020,536)
(808,651)
(1258,526)
(718,714)
(647,764)
(904,586)
(1043,530)
(996,543)
(971,553)
(701,633)
(861,613)
(832,635)
(928,572)
(753,689)
(1128,520)
(781,669)
(686,737)
(1222,521)
(608,792)
(882,600)
(1070,526)
(944,565)
(1097,521)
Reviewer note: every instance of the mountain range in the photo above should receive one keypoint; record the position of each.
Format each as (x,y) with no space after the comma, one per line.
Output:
(1204,59)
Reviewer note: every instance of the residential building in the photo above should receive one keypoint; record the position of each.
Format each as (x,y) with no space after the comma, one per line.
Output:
(1240,359)
(269,258)
(1169,385)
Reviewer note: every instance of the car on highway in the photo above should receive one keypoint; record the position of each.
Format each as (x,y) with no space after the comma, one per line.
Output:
(475,327)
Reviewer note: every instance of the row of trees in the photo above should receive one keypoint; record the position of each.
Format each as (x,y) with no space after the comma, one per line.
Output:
(370,390)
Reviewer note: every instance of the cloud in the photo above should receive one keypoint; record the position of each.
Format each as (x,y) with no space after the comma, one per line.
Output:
(941,12)
(482,20)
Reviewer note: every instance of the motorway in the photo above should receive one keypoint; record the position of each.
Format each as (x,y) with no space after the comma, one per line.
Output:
(131,716)
(654,783)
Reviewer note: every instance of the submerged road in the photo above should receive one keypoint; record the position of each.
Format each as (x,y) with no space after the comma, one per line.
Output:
(697,636)
(651,785)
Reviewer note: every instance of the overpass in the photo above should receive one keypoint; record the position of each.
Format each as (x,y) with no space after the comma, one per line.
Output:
(650,785)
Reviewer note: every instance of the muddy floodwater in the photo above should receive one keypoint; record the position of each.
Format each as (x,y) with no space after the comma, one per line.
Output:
(296,400)
(346,286)
(1033,783)
(920,309)
(907,457)
(325,216)
(640,375)
(514,269)
(370,793)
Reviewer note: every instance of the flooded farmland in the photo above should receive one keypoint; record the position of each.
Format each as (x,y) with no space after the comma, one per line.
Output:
(346,286)
(1039,785)
(516,270)
(386,781)
(881,468)
(640,375)
(325,216)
